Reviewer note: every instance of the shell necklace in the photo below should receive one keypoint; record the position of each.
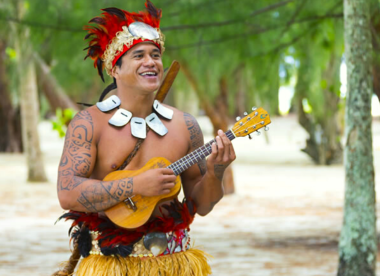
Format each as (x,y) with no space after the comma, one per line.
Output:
(138,125)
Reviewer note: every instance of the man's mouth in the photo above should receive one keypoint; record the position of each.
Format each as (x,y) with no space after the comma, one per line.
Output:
(148,74)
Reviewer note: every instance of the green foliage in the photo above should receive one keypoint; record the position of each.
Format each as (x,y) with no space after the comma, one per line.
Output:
(62,119)
(214,38)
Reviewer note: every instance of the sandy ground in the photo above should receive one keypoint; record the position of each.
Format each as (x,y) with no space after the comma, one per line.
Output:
(284,218)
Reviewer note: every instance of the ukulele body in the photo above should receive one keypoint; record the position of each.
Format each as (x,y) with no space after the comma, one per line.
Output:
(122,214)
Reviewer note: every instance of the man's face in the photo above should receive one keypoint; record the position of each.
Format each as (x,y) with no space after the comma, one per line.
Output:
(141,68)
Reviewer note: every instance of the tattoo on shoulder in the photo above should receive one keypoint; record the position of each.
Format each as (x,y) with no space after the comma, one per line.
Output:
(196,138)
(76,157)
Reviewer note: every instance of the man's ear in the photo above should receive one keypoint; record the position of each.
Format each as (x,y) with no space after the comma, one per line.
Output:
(115,72)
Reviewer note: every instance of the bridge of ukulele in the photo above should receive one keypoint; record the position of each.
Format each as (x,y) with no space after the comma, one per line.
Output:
(129,202)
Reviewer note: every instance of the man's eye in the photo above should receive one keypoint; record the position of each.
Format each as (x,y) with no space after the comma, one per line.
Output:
(138,56)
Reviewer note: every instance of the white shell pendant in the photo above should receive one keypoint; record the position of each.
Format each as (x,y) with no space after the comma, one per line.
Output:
(120,118)
(109,104)
(155,124)
(162,110)
(138,127)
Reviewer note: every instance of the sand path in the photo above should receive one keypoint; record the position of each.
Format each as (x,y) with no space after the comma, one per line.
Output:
(284,218)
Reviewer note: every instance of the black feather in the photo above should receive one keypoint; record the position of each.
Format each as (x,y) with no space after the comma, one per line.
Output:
(124,250)
(153,11)
(108,250)
(97,20)
(121,250)
(69,216)
(88,35)
(84,242)
(99,65)
(92,50)
(115,11)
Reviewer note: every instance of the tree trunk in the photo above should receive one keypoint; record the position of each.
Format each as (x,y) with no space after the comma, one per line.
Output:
(376,55)
(55,95)
(29,106)
(10,128)
(331,149)
(323,144)
(30,116)
(218,115)
(358,243)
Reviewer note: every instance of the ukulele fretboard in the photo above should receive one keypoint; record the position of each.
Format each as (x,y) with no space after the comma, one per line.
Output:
(197,155)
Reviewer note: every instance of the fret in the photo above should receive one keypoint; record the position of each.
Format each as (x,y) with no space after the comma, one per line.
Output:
(192,158)
(198,157)
(180,165)
(200,152)
(187,160)
(195,156)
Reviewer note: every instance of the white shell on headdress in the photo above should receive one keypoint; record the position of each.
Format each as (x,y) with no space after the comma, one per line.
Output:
(138,127)
(120,118)
(109,104)
(143,30)
(155,124)
(162,110)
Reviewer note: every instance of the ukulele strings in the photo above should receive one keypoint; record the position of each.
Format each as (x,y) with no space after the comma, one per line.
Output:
(195,156)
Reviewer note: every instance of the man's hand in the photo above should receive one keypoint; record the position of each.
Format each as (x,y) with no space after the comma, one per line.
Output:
(222,155)
(154,182)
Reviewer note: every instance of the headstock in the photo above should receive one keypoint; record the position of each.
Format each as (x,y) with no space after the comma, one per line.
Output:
(257,119)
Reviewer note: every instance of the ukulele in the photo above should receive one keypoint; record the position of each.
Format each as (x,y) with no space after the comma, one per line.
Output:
(136,210)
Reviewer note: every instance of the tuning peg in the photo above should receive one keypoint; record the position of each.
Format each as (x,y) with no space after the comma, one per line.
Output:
(266,128)
(238,118)
(254,108)
(249,136)
(258,133)
(245,113)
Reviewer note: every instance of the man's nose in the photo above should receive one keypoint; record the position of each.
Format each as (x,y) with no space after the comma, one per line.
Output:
(148,61)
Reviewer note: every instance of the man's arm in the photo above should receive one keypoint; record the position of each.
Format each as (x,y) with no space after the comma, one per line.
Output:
(203,181)
(77,192)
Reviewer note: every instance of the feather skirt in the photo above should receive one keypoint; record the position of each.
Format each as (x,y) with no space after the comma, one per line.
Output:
(192,262)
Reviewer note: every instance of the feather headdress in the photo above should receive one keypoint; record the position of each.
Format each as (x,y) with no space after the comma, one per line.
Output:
(117,31)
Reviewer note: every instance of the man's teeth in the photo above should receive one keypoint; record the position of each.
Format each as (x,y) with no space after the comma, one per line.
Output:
(149,74)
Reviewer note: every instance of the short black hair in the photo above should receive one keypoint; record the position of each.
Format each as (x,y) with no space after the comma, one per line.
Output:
(113,85)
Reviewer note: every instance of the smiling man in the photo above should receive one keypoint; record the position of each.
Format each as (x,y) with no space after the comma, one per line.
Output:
(124,132)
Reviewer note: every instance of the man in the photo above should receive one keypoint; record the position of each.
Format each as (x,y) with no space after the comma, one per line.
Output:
(99,139)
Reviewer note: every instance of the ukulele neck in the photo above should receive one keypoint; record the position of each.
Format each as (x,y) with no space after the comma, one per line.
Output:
(196,156)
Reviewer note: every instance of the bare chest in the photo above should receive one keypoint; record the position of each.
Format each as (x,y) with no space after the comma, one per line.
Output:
(116,144)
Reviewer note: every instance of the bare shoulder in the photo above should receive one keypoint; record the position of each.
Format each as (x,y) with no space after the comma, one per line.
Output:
(188,124)
(85,124)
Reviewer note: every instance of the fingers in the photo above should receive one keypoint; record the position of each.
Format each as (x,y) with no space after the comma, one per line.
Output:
(168,178)
(221,151)
(167,171)
(226,146)
(166,188)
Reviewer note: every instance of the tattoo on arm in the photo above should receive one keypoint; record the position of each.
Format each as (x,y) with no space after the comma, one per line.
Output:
(76,158)
(196,138)
(219,171)
(96,198)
